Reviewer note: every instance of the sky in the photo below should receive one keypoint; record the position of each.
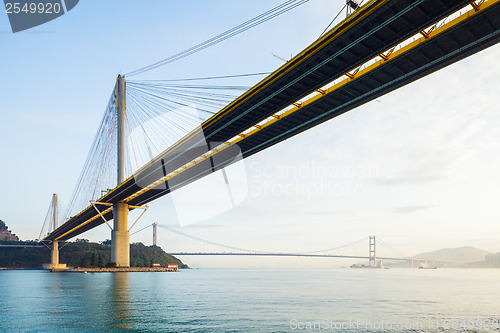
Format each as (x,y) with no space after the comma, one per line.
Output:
(416,167)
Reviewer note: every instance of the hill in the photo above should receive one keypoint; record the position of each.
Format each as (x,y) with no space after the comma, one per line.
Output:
(6,234)
(82,253)
(465,253)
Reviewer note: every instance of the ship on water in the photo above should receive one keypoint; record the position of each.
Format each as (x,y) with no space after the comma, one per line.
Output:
(379,265)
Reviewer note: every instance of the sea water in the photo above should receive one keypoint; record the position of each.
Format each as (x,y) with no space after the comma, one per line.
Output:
(252,300)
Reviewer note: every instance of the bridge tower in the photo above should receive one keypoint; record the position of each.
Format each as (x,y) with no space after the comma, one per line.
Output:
(155,234)
(55,244)
(120,236)
(373,258)
(54,257)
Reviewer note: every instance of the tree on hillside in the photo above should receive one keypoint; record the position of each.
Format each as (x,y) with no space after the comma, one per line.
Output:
(83,261)
(6,234)
(81,240)
(80,255)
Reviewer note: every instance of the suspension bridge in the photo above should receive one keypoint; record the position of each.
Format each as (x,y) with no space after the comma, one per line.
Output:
(371,248)
(176,239)
(381,46)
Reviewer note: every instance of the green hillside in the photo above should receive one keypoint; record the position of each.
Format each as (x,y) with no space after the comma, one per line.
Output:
(82,253)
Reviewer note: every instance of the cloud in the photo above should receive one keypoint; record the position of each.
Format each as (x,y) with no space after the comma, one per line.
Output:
(409,209)
(418,159)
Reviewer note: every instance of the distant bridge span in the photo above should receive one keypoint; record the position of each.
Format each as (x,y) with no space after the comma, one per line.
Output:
(310,256)
(280,255)
(234,251)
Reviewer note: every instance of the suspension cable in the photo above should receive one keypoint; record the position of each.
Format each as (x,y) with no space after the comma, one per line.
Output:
(210,77)
(274,12)
(338,247)
(206,241)
(392,249)
(140,230)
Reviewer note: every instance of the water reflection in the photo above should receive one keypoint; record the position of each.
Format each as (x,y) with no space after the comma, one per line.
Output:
(120,300)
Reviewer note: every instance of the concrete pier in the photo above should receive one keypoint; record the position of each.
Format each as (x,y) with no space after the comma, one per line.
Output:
(120,236)
(55,253)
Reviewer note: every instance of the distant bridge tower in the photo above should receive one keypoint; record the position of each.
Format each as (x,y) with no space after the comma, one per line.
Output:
(372,256)
(120,236)
(54,258)
(155,234)
(55,244)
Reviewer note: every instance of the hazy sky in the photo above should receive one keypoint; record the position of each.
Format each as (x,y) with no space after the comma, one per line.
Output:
(417,167)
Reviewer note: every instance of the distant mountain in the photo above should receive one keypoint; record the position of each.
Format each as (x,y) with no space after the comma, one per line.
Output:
(465,253)
(6,234)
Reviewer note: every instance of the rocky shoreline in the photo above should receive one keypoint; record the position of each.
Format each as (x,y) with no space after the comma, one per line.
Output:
(117,269)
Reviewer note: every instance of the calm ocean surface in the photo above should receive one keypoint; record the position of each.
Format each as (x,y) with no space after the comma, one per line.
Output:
(252,300)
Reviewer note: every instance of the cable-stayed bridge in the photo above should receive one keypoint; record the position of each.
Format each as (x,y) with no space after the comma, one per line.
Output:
(380,47)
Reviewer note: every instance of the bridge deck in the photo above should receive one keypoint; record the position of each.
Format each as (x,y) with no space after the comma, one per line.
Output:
(374,29)
(262,254)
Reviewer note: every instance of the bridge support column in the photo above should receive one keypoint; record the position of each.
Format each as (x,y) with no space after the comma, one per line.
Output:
(55,254)
(54,265)
(120,236)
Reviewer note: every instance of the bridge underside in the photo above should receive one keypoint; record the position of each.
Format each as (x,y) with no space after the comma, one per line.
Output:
(371,31)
